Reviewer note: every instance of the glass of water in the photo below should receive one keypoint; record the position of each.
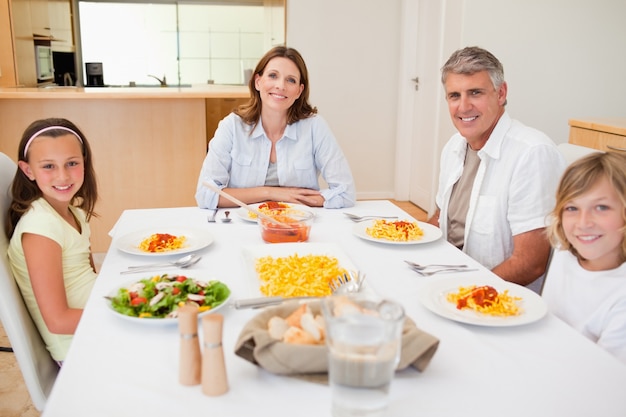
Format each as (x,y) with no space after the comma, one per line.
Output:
(364,336)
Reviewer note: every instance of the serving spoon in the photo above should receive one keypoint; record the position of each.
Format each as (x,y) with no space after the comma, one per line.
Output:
(184,262)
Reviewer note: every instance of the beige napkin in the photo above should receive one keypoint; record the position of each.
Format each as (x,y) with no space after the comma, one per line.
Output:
(310,361)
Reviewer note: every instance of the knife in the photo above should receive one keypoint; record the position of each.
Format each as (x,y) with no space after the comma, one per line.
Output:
(261,302)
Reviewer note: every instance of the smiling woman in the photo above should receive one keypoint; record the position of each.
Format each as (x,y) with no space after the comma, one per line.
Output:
(190,43)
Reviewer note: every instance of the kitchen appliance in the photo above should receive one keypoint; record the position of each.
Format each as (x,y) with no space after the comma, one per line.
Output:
(95,76)
(64,68)
(44,63)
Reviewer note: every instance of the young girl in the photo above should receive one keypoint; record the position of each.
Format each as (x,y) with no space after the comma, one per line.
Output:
(54,194)
(586,283)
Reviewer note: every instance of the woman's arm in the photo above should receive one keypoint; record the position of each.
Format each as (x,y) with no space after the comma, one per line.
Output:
(333,166)
(45,268)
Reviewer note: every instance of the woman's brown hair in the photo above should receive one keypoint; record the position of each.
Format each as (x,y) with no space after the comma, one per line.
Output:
(300,109)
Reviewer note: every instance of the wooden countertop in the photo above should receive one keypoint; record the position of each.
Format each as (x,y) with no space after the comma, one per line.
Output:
(81,93)
(615,125)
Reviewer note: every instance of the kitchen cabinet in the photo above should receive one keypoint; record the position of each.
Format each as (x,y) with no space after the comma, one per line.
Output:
(39,17)
(7,60)
(217,109)
(148,144)
(52,20)
(26,72)
(605,134)
(60,16)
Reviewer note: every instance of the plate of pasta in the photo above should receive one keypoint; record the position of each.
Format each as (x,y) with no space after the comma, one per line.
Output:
(397,232)
(266,207)
(163,241)
(483,302)
(294,269)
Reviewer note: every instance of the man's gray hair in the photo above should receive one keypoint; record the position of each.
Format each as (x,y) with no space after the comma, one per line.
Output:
(472,59)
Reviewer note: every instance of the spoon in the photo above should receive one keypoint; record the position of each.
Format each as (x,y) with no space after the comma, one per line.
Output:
(226,219)
(244,205)
(184,262)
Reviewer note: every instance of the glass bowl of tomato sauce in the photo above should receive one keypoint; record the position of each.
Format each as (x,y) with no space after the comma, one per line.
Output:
(295,227)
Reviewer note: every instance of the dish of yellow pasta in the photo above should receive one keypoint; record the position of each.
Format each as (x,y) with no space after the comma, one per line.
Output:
(482,301)
(294,269)
(397,232)
(163,241)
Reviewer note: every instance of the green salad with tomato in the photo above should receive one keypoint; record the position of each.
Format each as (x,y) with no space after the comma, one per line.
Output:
(161,295)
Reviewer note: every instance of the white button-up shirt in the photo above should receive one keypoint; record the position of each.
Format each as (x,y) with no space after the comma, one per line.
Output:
(513,192)
(239,157)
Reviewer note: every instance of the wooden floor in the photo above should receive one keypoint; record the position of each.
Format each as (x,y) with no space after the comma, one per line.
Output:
(14,397)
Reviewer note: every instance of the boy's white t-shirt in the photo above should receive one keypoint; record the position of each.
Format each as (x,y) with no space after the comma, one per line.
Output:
(593,302)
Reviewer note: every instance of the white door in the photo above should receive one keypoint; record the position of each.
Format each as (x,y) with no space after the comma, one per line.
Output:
(422,109)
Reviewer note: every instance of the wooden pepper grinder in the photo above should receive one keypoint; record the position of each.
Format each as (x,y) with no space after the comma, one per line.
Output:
(214,380)
(190,361)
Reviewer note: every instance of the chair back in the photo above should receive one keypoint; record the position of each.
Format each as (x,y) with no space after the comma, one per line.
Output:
(38,368)
(573,152)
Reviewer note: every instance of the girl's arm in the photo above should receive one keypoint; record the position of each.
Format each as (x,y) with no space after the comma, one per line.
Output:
(45,268)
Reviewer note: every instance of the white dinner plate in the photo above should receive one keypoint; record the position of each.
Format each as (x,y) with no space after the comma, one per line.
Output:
(158,321)
(431,233)
(243,213)
(281,250)
(433,297)
(196,240)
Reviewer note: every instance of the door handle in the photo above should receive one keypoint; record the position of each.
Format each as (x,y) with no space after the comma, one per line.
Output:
(416,80)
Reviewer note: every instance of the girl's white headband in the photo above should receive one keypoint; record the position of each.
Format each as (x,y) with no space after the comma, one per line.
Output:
(45,129)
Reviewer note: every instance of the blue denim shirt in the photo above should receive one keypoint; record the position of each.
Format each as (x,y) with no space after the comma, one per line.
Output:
(239,157)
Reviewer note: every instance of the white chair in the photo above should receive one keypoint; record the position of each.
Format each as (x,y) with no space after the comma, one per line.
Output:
(573,152)
(34,360)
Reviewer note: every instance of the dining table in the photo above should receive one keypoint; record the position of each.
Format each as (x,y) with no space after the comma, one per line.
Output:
(120,367)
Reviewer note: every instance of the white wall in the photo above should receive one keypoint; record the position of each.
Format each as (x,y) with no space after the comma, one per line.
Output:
(351,50)
(562,59)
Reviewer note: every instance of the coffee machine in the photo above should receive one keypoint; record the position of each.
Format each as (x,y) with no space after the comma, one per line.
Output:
(95,76)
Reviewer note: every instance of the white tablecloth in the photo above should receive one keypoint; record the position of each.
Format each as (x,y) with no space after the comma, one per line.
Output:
(119,368)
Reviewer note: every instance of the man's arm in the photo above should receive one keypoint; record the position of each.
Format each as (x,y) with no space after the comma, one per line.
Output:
(528,262)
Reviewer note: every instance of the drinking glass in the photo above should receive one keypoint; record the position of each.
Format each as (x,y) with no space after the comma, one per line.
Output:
(363,335)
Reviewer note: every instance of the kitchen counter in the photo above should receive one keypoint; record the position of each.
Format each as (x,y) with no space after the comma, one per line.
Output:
(87,93)
(148,143)
(605,134)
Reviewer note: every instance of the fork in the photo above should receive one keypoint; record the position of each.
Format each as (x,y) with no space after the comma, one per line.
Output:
(211,217)
(419,267)
(356,218)
(445,270)
(349,282)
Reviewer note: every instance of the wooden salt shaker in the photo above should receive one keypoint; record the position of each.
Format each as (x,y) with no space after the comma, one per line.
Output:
(190,361)
(214,380)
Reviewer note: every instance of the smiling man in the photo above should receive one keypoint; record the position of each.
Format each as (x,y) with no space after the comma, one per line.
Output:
(497,176)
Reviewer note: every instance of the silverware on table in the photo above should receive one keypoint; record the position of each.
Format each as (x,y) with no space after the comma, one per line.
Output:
(356,218)
(184,262)
(212,214)
(226,219)
(419,267)
(261,302)
(442,271)
(347,283)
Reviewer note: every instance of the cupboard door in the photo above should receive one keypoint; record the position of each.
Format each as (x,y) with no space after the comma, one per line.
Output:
(39,17)
(60,13)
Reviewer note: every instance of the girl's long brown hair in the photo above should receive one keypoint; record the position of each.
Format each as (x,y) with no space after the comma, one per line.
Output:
(24,191)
